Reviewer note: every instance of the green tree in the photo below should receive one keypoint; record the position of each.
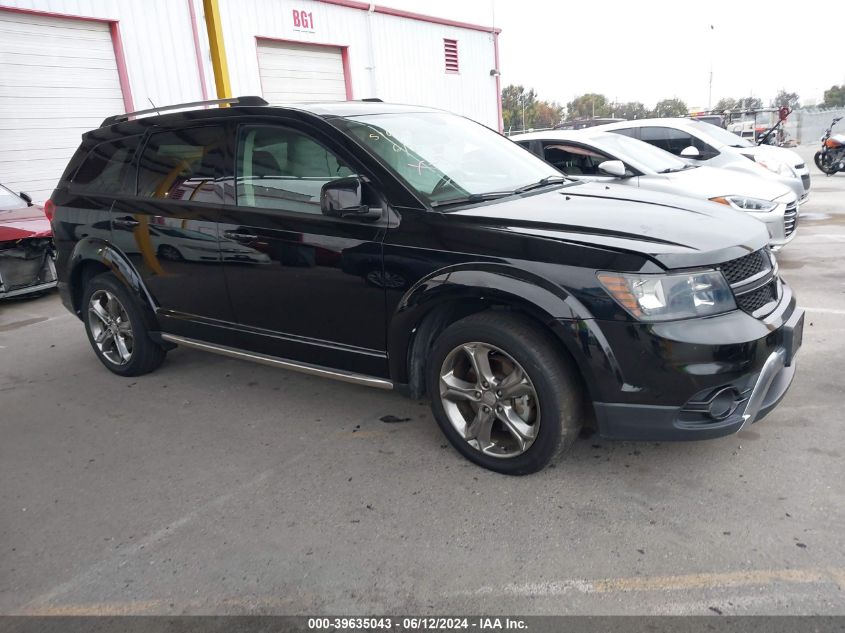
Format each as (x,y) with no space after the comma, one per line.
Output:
(547,114)
(749,103)
(515,101)
(587,106)
(629,110)
(670,108)
(537,113)
(835,97)
(784,98)
(726,103)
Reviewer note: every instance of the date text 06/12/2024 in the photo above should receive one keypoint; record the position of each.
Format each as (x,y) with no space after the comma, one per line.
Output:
(416,624)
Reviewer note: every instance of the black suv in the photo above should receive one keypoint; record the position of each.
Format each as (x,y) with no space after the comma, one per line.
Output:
(407,248)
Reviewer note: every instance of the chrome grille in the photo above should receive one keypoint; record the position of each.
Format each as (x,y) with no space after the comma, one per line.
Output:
(740,269)
(790,219)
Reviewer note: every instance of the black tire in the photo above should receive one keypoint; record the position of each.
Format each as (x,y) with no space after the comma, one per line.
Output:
(146,355)
(552,376)
(828,169)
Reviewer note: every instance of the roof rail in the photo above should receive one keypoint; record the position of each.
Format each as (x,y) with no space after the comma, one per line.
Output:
(242,101)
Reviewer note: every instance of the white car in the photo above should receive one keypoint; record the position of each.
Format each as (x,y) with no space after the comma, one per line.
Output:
(597,156)
(713,146)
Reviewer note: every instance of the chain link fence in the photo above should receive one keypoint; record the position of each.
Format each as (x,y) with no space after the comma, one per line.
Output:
(807,126)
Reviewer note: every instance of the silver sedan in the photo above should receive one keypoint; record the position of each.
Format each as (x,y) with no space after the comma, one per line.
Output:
(592,155)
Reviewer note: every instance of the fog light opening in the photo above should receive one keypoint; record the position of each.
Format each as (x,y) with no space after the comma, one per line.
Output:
(723,403)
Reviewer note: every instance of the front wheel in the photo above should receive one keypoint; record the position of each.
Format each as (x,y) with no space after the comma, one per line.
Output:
(826,167)
(502,393)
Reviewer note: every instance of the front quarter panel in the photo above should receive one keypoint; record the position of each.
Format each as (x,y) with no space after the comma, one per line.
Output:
(437,258)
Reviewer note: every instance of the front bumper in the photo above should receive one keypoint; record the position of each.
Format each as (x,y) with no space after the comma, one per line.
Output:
(662,382)
(782,223)
(655,423)
(26,272)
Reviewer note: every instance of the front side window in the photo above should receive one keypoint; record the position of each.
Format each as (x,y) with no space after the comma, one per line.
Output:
(187,165)
(573,160)
(666,138)
(718,136)
(280,168)
(638,153)
(108,167)
(444,157)
(675,141)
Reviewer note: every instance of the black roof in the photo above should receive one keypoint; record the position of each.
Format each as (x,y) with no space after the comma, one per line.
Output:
(324,109)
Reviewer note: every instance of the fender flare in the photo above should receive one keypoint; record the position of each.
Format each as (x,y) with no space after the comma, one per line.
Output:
(490,283)
(104,253)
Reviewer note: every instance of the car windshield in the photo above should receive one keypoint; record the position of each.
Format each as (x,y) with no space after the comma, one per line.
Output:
(446,158)
(720,135)
(631,150)
(9,200)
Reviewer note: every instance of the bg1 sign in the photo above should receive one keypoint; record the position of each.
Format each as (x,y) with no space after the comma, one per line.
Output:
(303,20)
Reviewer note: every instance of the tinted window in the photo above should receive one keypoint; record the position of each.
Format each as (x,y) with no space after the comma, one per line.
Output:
(573,160)
(675,141)
(108,167)
(628,131)
(279,168)
(187,165)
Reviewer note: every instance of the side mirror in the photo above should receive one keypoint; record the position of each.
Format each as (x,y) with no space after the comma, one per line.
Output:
(690,152)
(614,168)
(342,198)
(26,197)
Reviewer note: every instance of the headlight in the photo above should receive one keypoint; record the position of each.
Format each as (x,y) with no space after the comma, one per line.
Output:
(744,203)
(669,297)
(779,167)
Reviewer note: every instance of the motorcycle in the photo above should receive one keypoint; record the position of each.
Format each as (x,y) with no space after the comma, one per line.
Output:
(831,157)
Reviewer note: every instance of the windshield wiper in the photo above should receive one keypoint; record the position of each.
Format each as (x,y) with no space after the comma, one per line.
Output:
(473,197)
(548,180)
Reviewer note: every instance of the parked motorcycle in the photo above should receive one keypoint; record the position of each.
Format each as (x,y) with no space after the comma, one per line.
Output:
(831,157)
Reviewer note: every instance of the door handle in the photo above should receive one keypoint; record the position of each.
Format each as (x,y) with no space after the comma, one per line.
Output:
(125,223)
(237,235)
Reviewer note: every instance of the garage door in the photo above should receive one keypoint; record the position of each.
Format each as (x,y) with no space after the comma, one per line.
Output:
(58,79)
(300,72)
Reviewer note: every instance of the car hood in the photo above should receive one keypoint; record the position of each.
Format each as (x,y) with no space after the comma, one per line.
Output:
(675,231)
(17,224)
(709,182)
(777,153)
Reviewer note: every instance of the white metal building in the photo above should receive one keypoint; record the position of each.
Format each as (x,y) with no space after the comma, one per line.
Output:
(67,64)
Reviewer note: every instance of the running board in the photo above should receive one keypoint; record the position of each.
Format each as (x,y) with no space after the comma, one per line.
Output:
(272,361)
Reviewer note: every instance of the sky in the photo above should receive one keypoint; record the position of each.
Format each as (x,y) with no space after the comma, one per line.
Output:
(647,50)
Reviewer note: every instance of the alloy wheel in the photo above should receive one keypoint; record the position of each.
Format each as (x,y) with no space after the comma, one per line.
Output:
(110,327)
(489,399)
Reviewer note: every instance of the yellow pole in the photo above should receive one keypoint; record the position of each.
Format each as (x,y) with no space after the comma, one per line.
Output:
(218,50)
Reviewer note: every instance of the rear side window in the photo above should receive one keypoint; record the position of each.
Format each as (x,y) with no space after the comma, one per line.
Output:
(188,165)
(108,167)
(627,131)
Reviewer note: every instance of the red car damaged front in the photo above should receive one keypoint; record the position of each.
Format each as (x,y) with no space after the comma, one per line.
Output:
(26,247)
